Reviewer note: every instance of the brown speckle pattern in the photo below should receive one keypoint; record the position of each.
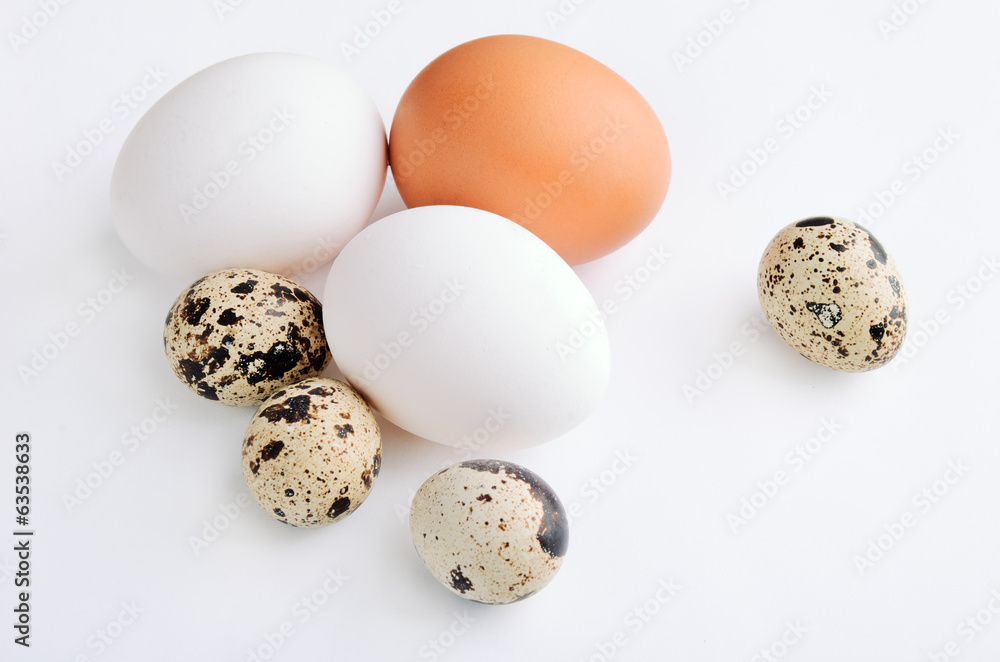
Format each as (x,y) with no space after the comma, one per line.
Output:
(295,463)
(238,335)
(831,291)
(488,530)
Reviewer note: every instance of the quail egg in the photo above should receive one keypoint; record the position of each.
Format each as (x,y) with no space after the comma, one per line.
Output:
(832,292)
(490,531)
(238,335)
(312,452)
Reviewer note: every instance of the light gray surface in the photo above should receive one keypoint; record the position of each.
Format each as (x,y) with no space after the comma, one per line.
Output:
(652,478)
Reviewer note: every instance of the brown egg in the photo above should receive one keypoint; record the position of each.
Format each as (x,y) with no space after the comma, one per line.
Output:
(537,132)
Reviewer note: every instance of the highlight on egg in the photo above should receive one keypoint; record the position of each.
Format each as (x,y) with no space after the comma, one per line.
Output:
(269,160)
(537,132)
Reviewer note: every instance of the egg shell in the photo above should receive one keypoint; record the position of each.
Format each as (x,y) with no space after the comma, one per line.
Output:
(490,531)
(537,132)
(462,327)
(238,335)
(832,292)
(312,453)
(268,160)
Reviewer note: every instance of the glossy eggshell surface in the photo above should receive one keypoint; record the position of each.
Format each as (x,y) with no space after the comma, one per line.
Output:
(312,453)
(238,335)
(537,132)
(464,328)
(488,530)
(268,160)
(832,292)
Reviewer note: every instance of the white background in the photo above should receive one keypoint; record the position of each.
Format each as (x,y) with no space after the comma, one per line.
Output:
(665,515)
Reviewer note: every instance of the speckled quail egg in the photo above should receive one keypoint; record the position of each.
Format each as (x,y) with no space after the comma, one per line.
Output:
(833,293)
(238,335)
(490,531)
(312,452)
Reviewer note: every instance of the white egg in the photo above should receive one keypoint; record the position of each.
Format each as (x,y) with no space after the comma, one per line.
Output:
(464,328)
(270,161)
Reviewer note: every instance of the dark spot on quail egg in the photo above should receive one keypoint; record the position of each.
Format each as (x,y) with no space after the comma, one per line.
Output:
(229,317)
(208,392)
(460,582)
(246,287)
(814,222)
(271,450)
(291,410)
(827,313)
(194,309)
(877,250)
(339,507)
